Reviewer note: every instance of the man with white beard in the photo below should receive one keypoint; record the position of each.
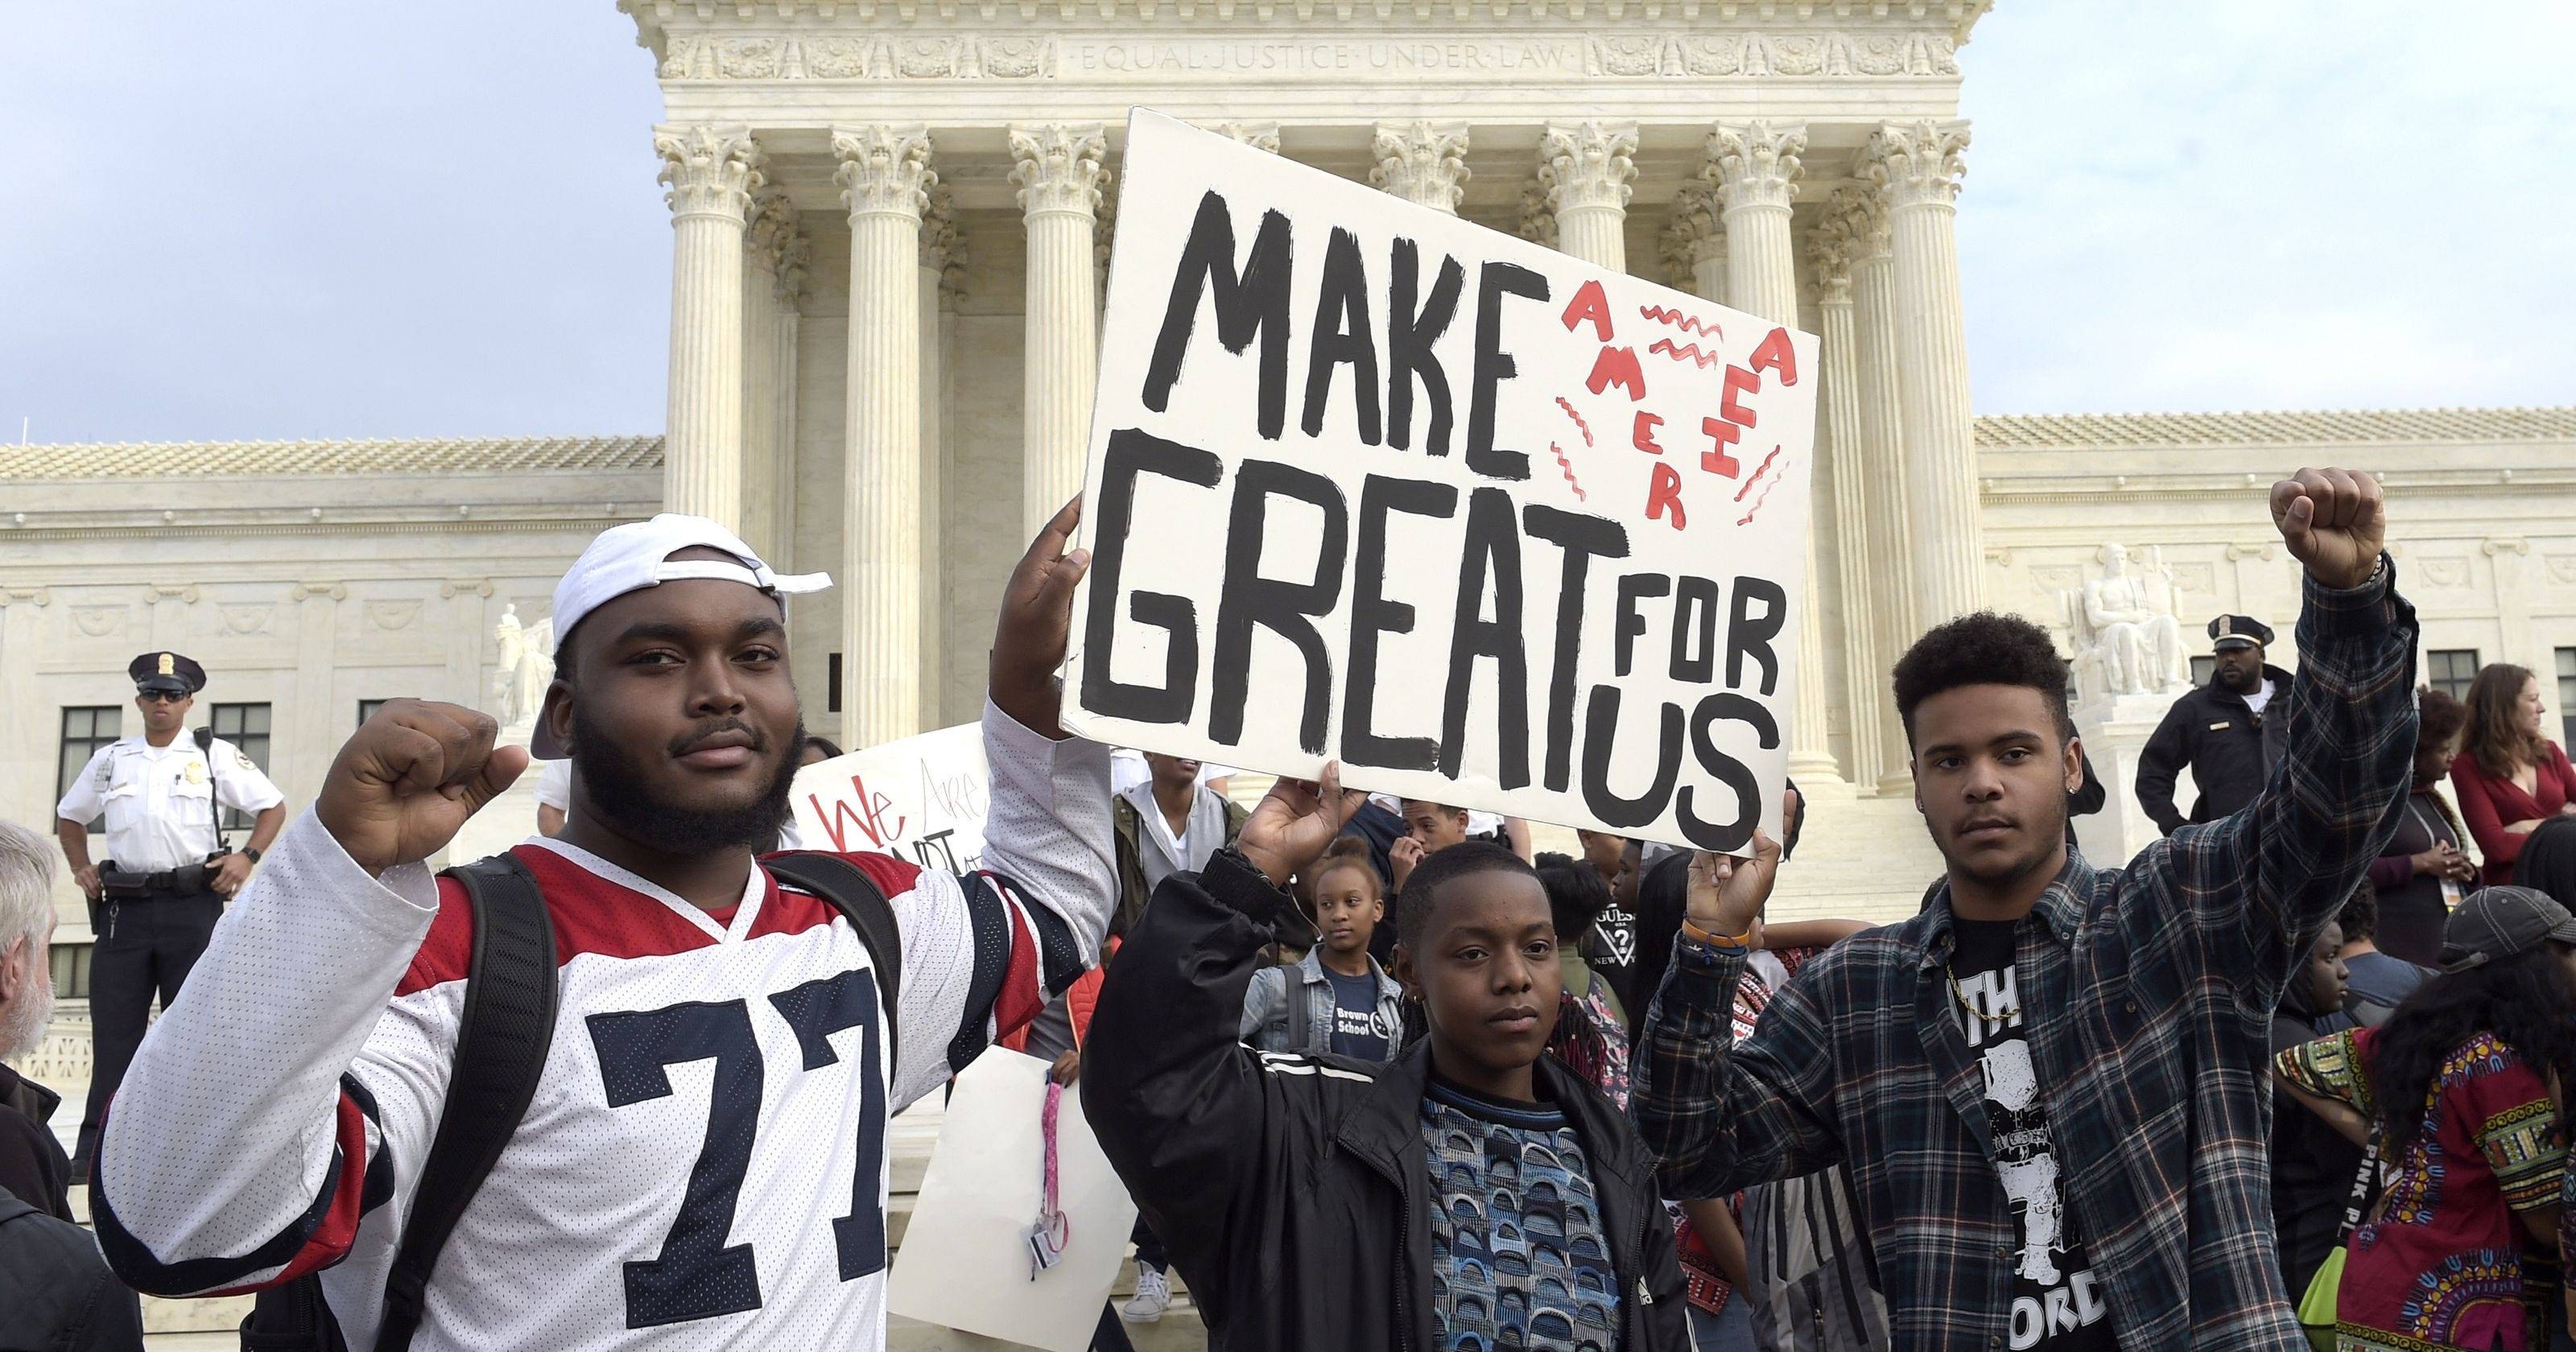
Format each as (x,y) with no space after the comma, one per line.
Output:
(55,1289)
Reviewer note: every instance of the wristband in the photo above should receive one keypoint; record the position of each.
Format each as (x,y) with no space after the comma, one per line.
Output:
(1739,943)
(250,853)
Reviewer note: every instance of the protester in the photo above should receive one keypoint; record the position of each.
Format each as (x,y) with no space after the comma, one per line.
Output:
(1336,998)
(2218,730)
(277,1119)
(2376,983)
(55,1290)
(1591,1035)
(2097,1013)
(154,900)
(32,1164)
(1168,823)
(2456,1089)
(2548,862)
(554,793)
(2510,779)
(2421,872)
(1319,1202)
(2312,1165)
(1611,945)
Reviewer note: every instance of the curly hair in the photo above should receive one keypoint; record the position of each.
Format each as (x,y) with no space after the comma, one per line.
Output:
(2528,1001)
(1982,649)
(2359,918)
(1413,904)
(2438,717)
(2548,861)
(1577,894)
(2495,738)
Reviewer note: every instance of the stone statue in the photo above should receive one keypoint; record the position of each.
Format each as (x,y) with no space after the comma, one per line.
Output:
(2126,636)
(509,638)
(536,671)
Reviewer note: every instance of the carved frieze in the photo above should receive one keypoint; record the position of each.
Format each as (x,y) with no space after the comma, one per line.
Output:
(1007,56)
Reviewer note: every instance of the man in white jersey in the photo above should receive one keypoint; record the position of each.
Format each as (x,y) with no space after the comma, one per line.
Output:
(703,1164)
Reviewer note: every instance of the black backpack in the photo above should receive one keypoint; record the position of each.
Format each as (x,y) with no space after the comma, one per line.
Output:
(501,1047)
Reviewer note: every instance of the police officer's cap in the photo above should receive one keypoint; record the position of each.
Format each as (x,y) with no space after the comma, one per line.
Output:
(2238,631)
(166,671)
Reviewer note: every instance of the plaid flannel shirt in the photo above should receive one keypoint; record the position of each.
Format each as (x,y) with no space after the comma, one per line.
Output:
(2154,987)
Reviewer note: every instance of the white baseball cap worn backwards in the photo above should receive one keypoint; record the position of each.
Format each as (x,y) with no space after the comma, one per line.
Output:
(637,555)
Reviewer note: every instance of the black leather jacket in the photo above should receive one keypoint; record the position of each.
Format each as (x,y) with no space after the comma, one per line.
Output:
(2231,752)
(1293,1191)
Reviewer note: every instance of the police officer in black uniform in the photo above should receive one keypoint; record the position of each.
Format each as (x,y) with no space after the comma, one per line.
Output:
(2226,731)
(154,900)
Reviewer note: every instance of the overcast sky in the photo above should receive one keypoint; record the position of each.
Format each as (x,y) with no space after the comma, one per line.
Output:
(311,218)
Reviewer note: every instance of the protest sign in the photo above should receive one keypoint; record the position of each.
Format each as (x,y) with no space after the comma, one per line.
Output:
(921,798)
(1491,525)
(965,1261)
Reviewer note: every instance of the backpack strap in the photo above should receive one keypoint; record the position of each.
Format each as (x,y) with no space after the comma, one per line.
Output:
(860,901)
(1300,1027)
(501,1050)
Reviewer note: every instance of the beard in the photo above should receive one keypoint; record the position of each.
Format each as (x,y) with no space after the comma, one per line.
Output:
(2241,684)
(2046,836)
(23,1023)
(613,776)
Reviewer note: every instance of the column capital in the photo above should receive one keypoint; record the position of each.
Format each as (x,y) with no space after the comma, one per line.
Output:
(1863,211)
(1058,167)
(1588,164)
(772,223)
(1917,163)
(1424,163)
(1261,136)
(1830,247)
(1104,234)
(885,170)
(1697,232)
(1537,218)
(1756,164)
(938,228)
(710,170)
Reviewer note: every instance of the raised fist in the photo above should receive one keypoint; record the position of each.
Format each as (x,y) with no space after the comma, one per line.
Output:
(404,785)
(2334,523)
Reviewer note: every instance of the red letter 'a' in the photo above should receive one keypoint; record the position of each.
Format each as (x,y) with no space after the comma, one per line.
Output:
(1618,366)
(1775,354)
(1665,491)
(1589,303)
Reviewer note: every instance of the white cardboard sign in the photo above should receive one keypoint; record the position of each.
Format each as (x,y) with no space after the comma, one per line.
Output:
(1493,526)
(963,1262)
(921,798)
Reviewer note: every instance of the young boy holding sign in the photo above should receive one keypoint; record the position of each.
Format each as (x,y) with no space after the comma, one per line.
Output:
(1469,1193)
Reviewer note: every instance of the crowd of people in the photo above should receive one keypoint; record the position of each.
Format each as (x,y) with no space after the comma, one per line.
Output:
(1376,1073)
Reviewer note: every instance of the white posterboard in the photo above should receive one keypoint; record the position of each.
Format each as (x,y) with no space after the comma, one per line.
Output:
(1493,526)
(922,798)
(964,1262)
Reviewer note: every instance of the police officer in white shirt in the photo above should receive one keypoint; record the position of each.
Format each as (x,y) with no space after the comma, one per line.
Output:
(154,900)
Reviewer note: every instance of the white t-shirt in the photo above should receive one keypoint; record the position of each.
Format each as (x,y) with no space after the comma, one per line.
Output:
(704,1162)
(2259,696)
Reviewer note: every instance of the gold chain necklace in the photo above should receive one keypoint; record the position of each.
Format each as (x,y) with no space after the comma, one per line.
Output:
(1971,1006)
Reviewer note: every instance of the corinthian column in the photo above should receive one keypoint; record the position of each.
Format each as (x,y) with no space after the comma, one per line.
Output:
(1695,243)
(1754,168)
(885,178)
(1829,247)
(711,172)
(938,249)
(1424,163)
(764,319)
(1058,176)
(1892,620)
(1918,165)
(1586,169)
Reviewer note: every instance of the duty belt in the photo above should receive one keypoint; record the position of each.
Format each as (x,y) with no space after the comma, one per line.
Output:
(187,880)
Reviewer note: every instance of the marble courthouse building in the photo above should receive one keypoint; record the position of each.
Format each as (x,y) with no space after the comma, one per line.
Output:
(891,223)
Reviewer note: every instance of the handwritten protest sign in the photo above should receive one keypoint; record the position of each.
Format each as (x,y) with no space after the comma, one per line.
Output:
(964,1261)
(1492,525)
(921,798)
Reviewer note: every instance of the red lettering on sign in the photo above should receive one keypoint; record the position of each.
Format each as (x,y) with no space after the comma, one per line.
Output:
(1738,381)
(1775,354)
(1666,491)
(1715,459)
(1589,304)
(1617,366)
(1645,438)
(868,819)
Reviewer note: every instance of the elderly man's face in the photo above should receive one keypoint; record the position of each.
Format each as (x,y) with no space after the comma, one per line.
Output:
(26,992)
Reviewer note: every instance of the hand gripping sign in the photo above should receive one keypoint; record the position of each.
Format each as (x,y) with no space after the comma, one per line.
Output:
(1492,525)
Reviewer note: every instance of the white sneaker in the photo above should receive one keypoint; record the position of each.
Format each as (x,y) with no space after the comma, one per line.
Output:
(1153,1296)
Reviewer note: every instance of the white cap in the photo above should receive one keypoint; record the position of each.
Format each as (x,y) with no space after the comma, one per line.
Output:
(637,555)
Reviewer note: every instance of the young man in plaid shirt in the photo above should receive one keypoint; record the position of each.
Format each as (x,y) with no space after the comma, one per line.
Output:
(2049,1087)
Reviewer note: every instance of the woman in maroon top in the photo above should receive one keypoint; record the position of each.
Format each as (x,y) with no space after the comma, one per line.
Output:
(2511,779)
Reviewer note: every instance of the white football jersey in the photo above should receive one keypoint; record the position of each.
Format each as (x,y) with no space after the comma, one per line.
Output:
(704,1162)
